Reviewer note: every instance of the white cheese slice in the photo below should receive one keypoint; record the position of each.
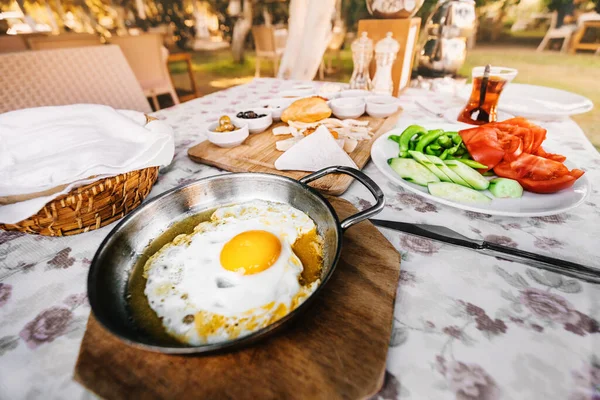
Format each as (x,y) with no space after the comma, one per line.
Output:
(314,152)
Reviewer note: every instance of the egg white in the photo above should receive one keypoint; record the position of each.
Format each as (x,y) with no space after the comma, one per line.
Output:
(185,277)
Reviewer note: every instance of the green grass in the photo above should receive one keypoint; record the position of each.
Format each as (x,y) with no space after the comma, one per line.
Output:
(535,34)
(578,73)
(218,64)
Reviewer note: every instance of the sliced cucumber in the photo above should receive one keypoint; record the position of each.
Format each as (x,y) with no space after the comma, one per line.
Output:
(505,188)
(446,170)
(426,162)
(458,193)
(473,178)
(412,171)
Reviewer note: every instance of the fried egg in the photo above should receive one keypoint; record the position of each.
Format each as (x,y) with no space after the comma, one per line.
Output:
(234,274)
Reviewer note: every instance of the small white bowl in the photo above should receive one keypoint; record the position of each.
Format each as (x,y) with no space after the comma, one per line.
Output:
(344,108)
(381,106)
(355,93)
(256,125)
(276,106)
(227,139)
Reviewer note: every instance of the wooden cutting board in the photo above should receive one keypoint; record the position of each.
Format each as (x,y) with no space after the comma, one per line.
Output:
(336,349)
(258,154)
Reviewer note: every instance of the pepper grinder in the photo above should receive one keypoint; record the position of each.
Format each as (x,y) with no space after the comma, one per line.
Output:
(385,54)
(362,53)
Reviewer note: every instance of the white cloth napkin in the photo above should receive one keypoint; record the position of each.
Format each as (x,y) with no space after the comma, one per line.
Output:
(46,147)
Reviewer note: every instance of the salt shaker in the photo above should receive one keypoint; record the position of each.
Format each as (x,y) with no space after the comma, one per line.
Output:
(385,54)
(362,53)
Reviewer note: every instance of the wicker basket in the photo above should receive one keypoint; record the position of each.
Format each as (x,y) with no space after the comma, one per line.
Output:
(91,206)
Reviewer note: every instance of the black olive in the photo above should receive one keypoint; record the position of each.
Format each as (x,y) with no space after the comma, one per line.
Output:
(262,115)
(240,115)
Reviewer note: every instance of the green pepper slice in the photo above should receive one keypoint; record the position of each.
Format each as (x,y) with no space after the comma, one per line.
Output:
(430,151)
(408,134)
(445,141)
(394,138)
(453,149)
(428,138)
(473,164)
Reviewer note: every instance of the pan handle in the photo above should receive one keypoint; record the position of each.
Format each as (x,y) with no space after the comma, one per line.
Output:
(362,178)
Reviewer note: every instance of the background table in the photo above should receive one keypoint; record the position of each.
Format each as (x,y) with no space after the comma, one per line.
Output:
(467,326)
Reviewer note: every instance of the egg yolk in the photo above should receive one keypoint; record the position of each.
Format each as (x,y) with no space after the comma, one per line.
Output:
(250,252)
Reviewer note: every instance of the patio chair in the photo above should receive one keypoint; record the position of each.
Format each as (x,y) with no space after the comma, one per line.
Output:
(98,74)
(187,58)
(564,32)
(587,23)
(63,41)
(148,59)
(268,45)
(12,43)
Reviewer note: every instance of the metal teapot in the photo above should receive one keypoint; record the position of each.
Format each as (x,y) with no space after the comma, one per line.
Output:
(444,40)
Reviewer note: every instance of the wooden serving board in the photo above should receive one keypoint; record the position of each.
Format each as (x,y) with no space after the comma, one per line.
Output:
(336,349)
(258,154)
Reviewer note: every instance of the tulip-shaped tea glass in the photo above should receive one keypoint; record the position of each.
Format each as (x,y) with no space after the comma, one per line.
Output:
(488,83)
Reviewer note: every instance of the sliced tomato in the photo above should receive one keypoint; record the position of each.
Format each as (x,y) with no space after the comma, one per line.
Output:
(537,168)
(526,136)
(512,148)
(556,157)
(539,135)
(551,185)
(512,145)
(577,173)
(483,145)
(504,170)
(548,186)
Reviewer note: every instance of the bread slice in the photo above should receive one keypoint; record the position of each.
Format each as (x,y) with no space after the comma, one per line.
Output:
(314,152)
(309,109)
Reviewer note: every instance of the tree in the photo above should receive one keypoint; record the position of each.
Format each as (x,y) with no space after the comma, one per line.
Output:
(240,31)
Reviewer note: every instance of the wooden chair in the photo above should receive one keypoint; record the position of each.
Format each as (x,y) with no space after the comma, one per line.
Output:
(564,32)
(187,58)
(12,43)
(148,60)
(268,46)
(586,26)
(98,74)
(63,41)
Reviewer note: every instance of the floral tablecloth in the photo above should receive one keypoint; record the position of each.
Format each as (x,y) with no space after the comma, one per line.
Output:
(467,326)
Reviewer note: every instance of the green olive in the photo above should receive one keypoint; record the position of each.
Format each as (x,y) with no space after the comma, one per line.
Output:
(224,120)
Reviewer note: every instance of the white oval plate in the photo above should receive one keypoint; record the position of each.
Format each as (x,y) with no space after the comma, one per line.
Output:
(530,205)
(537,102)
